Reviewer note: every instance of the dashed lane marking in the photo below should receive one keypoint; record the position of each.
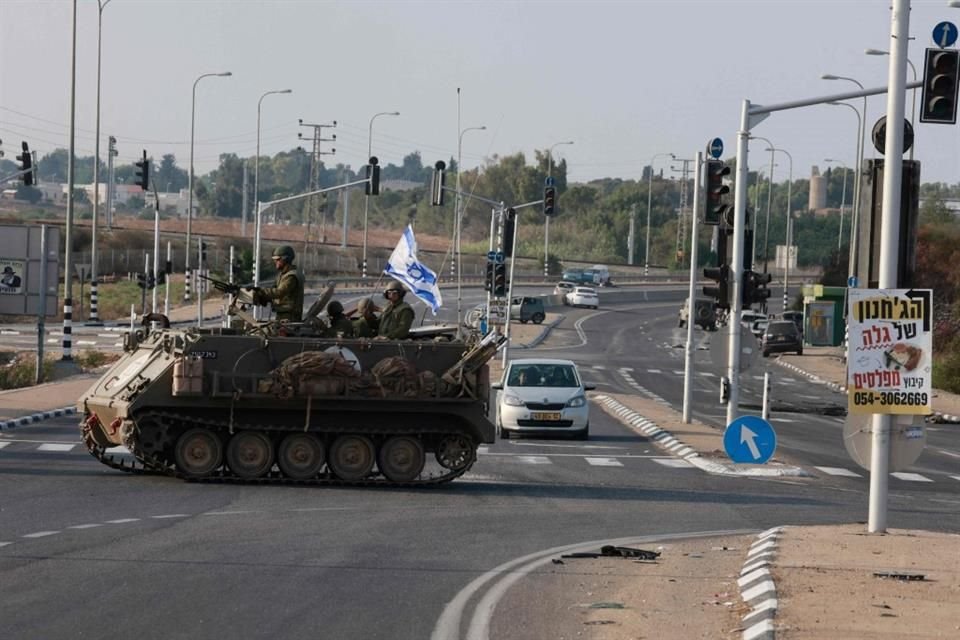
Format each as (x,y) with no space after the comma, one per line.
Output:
(910,477)
(654,371)
(40,534)
(674,462)
(838,471)
(534,459)
(85,526)
(604,462)
(4,444)
(55,447)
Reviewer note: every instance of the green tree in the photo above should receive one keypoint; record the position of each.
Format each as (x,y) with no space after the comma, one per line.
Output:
(934,211)
(168,176)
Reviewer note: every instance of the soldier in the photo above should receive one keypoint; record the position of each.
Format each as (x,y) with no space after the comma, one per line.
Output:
(367,324)
(287,295)
(340,325)
(397,317)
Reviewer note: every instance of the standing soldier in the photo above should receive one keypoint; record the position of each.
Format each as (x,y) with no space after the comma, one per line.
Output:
(367,324)
(340,325)
(287,295)
(397,317)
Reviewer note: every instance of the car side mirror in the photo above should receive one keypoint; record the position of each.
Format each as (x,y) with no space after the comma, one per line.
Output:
(497,385)
(589,387)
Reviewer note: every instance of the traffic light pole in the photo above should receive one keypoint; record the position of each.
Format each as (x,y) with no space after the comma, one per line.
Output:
(692,297)
(513,262)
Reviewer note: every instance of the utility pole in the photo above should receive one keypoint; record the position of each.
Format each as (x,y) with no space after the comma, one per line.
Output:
(245,201)
(315,155)
(111,178)
(630,236)
(682,222)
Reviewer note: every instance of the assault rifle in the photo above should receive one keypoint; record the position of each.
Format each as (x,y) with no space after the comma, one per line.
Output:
(226,287)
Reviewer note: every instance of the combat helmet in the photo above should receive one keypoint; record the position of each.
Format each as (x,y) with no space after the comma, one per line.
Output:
(284,251)
(334,308)
(394,285)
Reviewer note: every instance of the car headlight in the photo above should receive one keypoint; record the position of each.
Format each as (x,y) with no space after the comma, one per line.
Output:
(576,401)
(512,401)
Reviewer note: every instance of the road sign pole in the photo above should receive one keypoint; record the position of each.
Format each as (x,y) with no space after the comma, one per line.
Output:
(691,294)
(736,266)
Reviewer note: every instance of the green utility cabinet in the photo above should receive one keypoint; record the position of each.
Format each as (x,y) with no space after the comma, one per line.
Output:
(824,319)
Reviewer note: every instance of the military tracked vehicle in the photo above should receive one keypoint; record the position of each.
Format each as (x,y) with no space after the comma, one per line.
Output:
(263,403)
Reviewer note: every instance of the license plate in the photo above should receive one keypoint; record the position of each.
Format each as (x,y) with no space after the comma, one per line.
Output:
(545,415)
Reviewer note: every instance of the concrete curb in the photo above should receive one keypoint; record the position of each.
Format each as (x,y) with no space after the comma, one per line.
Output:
(936,416)
(757,588)
(36,417)
(666,440)
(543,334)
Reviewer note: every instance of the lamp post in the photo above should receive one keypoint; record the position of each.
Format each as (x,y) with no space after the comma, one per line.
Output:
(843,202)
(546,223)
(458,218)
(786,262)
(913,108)
(855,220)
(766,231)
(193,110)
(366,200)
(646,251)
(857,176)
(94,318)
(256,191)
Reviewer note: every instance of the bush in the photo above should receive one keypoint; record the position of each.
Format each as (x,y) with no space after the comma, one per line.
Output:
(89,359)
(22,372)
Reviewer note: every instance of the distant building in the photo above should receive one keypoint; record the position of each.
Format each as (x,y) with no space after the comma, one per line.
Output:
(818,190)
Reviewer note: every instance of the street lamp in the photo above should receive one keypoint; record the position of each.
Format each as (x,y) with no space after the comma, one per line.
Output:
(256,191)
(646,253)
(843,202)
(546,223)
(766,231)
(193,109)
(913,109)
(458,217)
(366,200)
(94,313)
(786,262)
(857,176)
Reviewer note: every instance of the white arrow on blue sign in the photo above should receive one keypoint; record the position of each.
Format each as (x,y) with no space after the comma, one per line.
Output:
(715,148)
(852,282)
(945,34)
(750,439)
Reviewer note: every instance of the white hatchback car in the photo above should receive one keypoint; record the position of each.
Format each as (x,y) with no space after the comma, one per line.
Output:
(583,297)
(540,396)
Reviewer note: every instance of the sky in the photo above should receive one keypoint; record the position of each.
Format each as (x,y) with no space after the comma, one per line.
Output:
(622,80)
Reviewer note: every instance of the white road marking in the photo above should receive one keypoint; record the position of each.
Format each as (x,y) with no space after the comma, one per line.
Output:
(86,342)
(604,462)
(911,477)
(837,471)
(41,534)
(599,366)
(118,450)
(783,419)
(123,520)
(3,444)
(3,544)
(171,515)
(654,371)
(55,447)
(534,459)
(673,462)
(955,477)
(85,526)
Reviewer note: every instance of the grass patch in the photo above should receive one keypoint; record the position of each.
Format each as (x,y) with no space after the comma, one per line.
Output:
(21,371)
(90,359)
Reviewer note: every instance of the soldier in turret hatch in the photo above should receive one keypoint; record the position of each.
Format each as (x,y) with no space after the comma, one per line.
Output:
(287,294)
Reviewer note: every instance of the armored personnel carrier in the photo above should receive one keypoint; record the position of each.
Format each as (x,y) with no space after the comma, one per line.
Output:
(275,404)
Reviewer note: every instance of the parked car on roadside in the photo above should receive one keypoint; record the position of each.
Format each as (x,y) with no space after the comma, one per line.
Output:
(781,336)
(796,317)
(563,288)
(749,316)
(543,397)
(705,314)
(583,297)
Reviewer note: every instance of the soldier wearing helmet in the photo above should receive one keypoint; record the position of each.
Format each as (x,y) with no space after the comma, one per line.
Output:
(340,325)
(397,317)
(368,323)
(287,294)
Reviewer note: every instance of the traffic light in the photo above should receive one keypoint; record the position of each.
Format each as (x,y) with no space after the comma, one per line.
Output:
(151,281)
(142,172)
(755,289)
(142,280)
(372,188)
(161,278)
(436,185)
(716,209)
(549,201)
(488,278)
(509,227)
(721,292)
(203,252)
(500,279)
(940,83)
(26,164)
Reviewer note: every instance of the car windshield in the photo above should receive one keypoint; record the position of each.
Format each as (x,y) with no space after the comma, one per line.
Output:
(542,375)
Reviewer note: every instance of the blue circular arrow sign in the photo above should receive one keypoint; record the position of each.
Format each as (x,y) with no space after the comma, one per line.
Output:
(852,282)
(750,439)
(945,34)
(716,148)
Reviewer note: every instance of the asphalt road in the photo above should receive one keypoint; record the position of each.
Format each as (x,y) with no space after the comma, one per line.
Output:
(90,552)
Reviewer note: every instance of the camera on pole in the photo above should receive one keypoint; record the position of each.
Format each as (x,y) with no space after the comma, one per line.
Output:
(372,188)
(716,208)
(941,79)
(142,172)
(437,183)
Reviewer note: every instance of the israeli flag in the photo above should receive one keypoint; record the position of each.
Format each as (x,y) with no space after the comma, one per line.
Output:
(415,276)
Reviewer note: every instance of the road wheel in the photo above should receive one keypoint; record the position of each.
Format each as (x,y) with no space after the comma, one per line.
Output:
(455,452)
(800,351)
(352,457)
(250,454)
(401,459)
(538,318)
(766,354)
(301,456)
(503,433)
(198,453)
(583,434)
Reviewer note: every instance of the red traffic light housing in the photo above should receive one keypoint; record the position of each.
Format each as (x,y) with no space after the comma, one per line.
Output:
(26,164)
(549,201)
(500,279)
(142,172)
(721,292)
